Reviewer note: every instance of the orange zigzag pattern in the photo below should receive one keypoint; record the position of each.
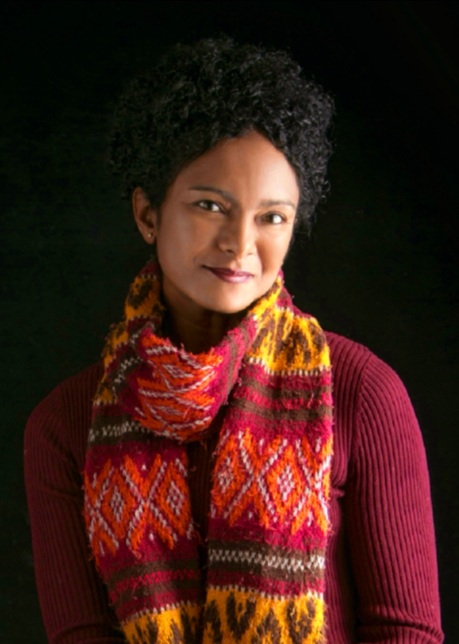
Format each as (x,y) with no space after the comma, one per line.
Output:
(176,394)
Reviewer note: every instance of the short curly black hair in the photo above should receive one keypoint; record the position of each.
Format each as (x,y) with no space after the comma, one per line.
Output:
(199,94)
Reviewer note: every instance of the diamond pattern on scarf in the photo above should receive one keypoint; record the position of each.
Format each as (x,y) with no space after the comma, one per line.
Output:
(129,503)
(276,482)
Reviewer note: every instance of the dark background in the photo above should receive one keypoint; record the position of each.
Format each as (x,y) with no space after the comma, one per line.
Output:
(380,267)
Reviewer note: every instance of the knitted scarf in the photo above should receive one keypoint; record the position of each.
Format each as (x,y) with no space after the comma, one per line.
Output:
(268,519)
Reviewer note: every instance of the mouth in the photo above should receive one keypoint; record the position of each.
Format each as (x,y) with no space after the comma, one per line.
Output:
(230,276)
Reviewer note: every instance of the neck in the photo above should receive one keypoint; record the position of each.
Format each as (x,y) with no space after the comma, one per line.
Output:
(198,335)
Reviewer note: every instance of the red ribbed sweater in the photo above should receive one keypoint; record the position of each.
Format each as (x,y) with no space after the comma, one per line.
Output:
(381,575)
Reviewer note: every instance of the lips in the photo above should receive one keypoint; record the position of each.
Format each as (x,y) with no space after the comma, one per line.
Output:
(228,275)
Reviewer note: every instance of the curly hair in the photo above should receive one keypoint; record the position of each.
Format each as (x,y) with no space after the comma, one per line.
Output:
(199,94)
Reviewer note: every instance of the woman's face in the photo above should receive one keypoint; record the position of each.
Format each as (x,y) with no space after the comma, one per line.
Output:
(225,226)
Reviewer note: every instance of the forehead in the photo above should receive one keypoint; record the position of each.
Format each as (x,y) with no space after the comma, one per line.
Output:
(246,165)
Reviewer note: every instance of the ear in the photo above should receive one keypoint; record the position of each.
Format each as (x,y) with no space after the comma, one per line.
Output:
(145,216)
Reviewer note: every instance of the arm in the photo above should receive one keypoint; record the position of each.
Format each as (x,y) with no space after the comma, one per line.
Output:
(389,517)
(72,598)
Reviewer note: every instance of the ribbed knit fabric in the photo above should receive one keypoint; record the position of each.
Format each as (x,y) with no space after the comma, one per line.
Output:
(381,578)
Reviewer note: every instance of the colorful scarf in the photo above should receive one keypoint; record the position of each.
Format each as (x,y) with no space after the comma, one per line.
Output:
(268,519)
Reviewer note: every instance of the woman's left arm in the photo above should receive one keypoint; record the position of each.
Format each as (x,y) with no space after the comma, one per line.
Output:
(389,516)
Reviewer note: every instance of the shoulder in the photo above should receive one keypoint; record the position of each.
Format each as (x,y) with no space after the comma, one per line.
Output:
(71,396)
(358,373)
(60,422)
(373,413)
(372,409)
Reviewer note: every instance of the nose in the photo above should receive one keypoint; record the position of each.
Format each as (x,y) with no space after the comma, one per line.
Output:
(238,236)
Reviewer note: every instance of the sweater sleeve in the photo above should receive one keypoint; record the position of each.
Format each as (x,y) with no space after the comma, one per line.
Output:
(389,517)
(72,598)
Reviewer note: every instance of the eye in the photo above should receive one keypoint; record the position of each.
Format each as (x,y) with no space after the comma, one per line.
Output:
(208,204)
(274,218)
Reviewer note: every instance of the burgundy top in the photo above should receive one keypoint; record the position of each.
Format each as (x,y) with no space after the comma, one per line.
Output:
(381,574)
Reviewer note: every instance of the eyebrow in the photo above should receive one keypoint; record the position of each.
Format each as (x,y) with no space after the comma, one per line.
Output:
(266,203)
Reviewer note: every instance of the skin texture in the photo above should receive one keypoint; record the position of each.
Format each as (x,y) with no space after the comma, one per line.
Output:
(221,234)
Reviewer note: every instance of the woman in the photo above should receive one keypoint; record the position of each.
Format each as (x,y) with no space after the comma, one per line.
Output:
(226,497)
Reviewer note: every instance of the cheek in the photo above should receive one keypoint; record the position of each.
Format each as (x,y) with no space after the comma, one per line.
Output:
(177,244)
(274,254)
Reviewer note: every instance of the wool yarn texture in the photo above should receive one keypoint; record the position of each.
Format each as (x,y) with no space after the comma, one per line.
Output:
(270,377)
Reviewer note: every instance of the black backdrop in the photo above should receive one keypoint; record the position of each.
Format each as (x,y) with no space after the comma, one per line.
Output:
(381,264)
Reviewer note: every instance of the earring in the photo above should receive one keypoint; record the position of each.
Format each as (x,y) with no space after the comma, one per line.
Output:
(150,235)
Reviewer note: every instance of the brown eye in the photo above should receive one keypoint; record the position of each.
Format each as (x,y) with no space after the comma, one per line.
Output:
(207,204)
(273,218)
